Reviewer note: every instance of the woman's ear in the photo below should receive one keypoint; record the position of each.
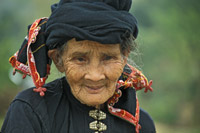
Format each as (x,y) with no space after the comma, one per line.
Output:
(57,59)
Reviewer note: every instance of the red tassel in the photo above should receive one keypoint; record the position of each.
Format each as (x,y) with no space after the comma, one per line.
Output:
(149,87)
(40,90)
(24,76)
(14,71)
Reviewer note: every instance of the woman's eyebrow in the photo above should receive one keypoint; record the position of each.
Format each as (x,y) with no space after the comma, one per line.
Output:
(109,53)
(79,54)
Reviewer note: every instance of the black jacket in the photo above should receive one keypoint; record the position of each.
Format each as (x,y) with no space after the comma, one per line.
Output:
(59,112)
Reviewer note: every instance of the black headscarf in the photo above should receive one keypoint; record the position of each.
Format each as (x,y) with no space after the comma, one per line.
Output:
(104,21)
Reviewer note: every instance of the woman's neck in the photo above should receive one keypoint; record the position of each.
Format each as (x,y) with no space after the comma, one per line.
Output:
(99,107)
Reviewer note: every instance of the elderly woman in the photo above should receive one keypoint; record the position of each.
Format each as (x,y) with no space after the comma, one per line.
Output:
(89,41)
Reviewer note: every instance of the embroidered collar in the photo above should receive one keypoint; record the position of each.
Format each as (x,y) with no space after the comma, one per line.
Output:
(131,79)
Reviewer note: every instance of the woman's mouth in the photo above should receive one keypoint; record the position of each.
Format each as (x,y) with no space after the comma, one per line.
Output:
(94,89)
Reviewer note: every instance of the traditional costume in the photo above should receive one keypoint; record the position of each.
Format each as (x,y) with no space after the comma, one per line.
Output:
(56,110)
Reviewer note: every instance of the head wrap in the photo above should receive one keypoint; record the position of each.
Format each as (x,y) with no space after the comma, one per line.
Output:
(104,21)
(107,21)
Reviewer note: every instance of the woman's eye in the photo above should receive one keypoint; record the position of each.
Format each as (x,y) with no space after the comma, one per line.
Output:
(107,57)
(81,59)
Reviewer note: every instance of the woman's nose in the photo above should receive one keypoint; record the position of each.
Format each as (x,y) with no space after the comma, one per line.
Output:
(95,73)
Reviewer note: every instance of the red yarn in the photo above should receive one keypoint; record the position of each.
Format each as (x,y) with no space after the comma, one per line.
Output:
(41,90)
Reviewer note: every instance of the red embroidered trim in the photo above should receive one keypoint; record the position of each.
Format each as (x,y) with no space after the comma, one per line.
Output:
(137,80)
(30,68)
(39,82)
(114,99)
(123,114)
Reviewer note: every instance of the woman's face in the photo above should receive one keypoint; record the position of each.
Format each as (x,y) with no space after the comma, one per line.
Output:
(92,70)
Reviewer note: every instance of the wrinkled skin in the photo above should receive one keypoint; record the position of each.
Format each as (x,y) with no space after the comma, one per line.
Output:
(92,70)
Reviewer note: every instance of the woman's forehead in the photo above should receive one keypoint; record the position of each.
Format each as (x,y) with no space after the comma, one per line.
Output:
(90,46)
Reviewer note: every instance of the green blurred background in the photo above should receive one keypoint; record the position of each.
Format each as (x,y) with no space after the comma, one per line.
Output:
(170,46)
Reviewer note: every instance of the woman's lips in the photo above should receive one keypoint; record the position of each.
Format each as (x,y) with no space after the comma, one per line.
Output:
(94,89)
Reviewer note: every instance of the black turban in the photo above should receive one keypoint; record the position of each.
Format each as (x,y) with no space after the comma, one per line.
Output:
(104,21)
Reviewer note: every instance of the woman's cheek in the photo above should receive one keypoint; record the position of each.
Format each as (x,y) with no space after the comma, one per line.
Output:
(73,72)
(114,70)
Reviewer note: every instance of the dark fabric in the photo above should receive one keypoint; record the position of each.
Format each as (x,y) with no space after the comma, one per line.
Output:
(104,21)
(59,112)
(39,50)
(117,4)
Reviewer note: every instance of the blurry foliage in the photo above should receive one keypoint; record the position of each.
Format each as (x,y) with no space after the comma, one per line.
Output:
(170,45)
(168,39)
